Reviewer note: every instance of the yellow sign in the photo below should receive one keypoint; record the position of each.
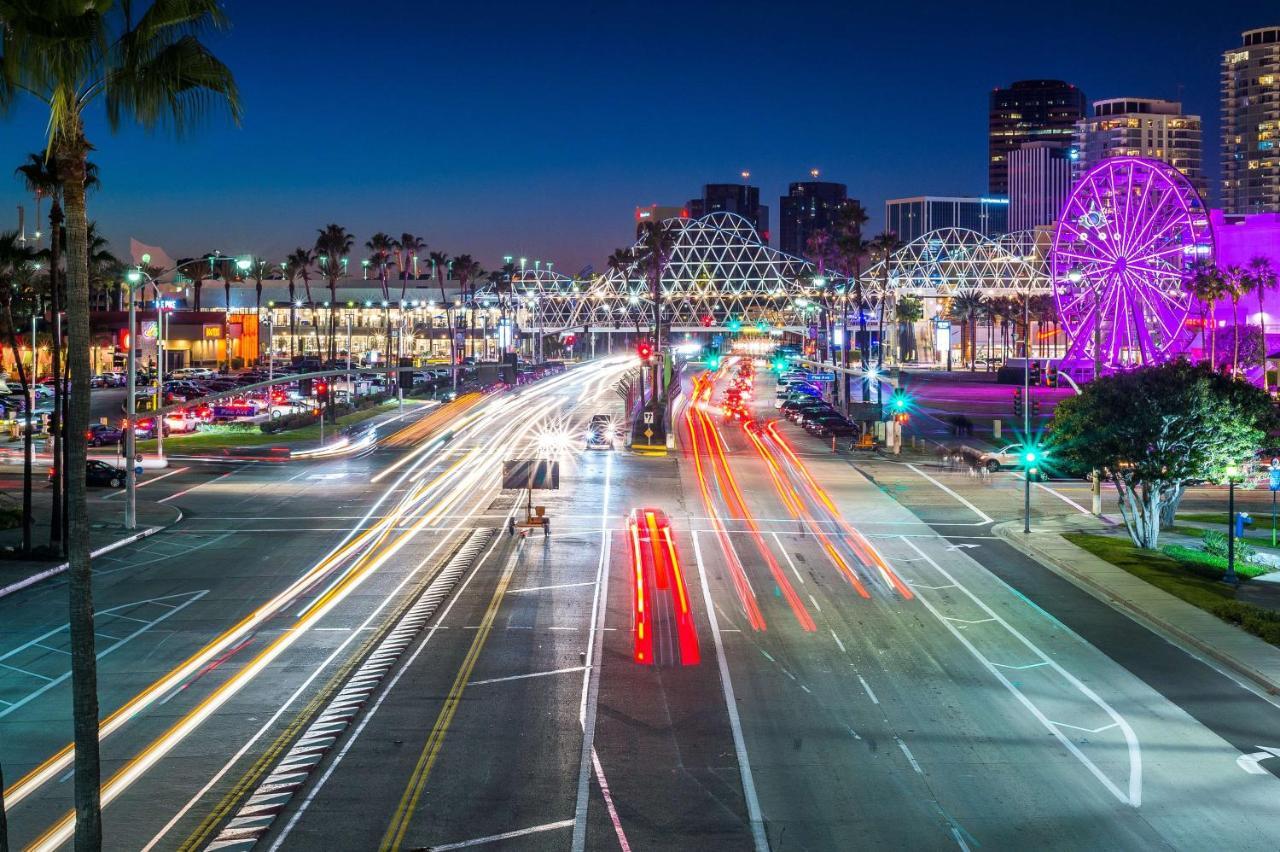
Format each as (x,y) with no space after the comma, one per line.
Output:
(213,331)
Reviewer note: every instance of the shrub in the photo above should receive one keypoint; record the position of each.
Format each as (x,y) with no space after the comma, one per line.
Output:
(1215,542)
(1262,623)
(1209,565)
(289,421)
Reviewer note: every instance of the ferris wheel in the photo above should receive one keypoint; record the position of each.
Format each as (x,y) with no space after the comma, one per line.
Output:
(1128,238)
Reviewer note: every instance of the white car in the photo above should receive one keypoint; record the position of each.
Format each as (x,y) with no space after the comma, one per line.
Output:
(180,422)
(192,373)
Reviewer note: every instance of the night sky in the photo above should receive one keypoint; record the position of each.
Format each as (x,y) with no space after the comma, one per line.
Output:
(535,128)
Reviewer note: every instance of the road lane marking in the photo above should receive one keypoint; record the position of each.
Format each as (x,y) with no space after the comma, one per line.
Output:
(838,642)
(735,723)
(986,519)
(607,795)
(526,676)
(547,588)
(591,677)
(1134,795)
(147,482)
(506,835)
(1064,498)
(199,485)
(910,757)
(395,832)
(791,564)
(866,686)
(815,603)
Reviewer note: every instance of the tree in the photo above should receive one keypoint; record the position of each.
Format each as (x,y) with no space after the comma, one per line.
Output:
(1264,279)
(1208,286)
(1238,285)
(965,309)
(149,69)
(656,242)
(440,266)
(407,249)
(882,248)
(908,311)
(820,250)
(466,270)
(847,230)
(333,244)
(297,265)
(380,247)
(1153,430)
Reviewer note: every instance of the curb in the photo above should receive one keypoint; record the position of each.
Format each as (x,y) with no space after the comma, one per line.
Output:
(1098,590)
(256,816)
(93,554)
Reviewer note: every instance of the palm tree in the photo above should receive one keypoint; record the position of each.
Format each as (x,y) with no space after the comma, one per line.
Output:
(849,223)
(1264,279)
(656,242)
(150,69)
(1237,286)
(406,249)
(820,250)
(297,265)
(333,244)
(965,309)
(882,248)
(380,247)
(1208,286)
(466,270)
(908,311)
(440,266)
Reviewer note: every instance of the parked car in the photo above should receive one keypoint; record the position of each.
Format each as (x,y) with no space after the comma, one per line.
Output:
(101,435)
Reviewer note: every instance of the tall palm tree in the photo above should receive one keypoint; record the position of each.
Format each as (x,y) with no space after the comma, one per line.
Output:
(656,243)
(1208,286)
(466,270)
(297,265)
(883,247)
(966,309)
(820,250)
(333,245)
(407,249)
(907,311)
(149,69)
(1264,279)
(849,222)
(1236,285)
(380,247)
(440,267)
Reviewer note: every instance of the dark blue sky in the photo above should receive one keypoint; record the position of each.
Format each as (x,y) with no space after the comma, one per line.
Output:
(535,128)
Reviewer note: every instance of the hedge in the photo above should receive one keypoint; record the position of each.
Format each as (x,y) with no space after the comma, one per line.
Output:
(1263,623)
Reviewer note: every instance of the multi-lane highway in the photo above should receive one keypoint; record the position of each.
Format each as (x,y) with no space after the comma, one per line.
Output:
(750,643)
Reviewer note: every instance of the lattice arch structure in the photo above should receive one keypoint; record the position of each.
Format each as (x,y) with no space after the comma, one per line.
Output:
(951,261)
(718,271)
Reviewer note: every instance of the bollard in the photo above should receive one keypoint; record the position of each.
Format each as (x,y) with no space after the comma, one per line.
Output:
(995,429)
(833,443)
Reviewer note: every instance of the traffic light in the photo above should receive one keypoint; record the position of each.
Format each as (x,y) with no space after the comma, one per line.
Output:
(706,321)
(1036,372)
(1035,407)
(1017,401)
(713,358)
(1053,374)
(645,350)
(569,340)
(900,406)
(735,325)
(1031,458)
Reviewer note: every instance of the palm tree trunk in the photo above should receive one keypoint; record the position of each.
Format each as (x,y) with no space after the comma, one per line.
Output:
(71,157)
(1213,336)
(59,387)
(1235,334)
(1262,322)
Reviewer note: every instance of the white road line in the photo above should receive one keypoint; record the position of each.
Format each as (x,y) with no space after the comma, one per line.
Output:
(1064,498)
(147,482)
(910,757)
(547,588)
(199,485)
(838,642)
(1134,795)
(787,556)
(867,687)
(986,519)
(591,677)
(506,835)
(731,703)
(524,676)
(815,603)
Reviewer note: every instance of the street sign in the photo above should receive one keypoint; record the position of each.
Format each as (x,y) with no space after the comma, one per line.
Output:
(1275,474)
(648,417)
(534,474)
(648,433)
(822,377)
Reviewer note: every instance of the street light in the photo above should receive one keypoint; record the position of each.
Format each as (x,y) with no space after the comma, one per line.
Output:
(1229,577)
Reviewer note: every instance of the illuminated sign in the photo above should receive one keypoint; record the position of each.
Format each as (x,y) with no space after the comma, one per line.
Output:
(150,329)
(212,332)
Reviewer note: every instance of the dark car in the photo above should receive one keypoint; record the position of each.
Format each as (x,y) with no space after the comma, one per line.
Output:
(100,435)
(99,473)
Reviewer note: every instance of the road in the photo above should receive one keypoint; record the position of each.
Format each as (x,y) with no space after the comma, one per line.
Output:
(864,664)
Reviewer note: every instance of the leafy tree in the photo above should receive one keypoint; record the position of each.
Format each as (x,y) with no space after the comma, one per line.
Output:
(1263,277)
(908,311)
(1153,430)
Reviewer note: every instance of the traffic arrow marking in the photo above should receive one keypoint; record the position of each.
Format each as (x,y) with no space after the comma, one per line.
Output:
(1250,762)
(962,546)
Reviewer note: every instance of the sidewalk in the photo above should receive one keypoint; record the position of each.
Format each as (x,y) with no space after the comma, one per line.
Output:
(1216,639)
(106,533)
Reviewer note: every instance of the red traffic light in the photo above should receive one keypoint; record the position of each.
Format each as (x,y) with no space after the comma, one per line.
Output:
(645,350)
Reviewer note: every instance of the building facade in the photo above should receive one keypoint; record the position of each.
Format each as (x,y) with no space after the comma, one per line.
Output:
(1142,127)
(911,217)
(1251,124)
(740,198)
(1039,182)
(808,206)
(659,213)
(1028,111)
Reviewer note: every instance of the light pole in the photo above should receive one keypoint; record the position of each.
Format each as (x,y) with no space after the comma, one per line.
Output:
(136,276)
(1229,577)
(243,264)
(1026,407)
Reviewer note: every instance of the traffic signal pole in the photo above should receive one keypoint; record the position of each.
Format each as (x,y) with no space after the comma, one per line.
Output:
(1026,407)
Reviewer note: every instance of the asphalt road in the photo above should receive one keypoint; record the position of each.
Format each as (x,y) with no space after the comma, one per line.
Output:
(873,668)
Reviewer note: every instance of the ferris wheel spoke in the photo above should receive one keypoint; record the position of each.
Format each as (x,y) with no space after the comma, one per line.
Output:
(1171,222)
(1158,308)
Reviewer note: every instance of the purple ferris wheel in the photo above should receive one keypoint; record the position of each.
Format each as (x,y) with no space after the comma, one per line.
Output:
(1128,239)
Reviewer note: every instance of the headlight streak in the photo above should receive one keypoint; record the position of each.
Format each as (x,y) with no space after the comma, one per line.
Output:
(367,547)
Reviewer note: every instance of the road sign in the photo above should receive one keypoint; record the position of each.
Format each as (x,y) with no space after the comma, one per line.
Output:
(822,377)
(138,470)
(1275,474)
(648,433)
(534,474)
(648,417)
(138,458)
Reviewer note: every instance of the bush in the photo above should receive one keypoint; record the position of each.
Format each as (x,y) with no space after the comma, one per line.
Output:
(289,421)
(1262,623)
(1215,542)
(227,428)
(1208,565)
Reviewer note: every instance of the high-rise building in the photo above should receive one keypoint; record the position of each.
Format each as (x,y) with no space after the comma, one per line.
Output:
(911,217)
(1028,111)
(740,198)
(1039,183)
(659,213)
(1251,124)
(1141,127)
(808,206)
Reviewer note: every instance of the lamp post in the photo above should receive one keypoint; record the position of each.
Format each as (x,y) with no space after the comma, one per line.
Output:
(138,276)
(1026,407)
(243,264)
(1229,577)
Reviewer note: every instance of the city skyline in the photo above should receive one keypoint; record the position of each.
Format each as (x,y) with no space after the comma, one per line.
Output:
(558,178)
